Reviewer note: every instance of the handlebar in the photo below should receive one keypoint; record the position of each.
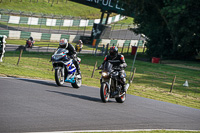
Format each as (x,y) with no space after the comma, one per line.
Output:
(117,68)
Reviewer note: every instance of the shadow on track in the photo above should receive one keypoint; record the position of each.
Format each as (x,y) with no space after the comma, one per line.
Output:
(77,96)
(41,82)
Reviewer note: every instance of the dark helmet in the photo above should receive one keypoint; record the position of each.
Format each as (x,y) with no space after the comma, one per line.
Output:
(113,51)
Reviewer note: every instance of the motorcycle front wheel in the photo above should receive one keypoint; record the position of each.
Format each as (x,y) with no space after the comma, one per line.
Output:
(104,92)
(59,76)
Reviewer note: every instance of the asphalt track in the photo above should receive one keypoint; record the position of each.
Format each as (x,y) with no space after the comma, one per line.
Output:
(28,105)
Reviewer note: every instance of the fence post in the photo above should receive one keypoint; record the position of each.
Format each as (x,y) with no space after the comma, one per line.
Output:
(20,17)
(107,49)
(144,49)
(103,50)
(52,3)
(94,69)
(119,31)
(132,76)
(128,47)
(62,18)
(51,23)
(85,27)
(117,45)
(9,12)
(71,23)
(172,84)
(48,48)
(19,56)
(122,48)
(96,50)
(78,26)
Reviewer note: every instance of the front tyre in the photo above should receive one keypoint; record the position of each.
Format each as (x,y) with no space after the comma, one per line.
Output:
(59,76)
(121,99)
(78,81)
(104,92)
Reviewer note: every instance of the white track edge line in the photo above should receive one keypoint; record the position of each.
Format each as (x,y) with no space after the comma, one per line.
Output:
(134,130)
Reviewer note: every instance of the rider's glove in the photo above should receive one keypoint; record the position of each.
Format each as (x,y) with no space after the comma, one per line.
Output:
(100,67)
(121,66)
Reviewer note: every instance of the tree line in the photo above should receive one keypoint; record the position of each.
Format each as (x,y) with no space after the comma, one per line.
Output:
(49,1)
(172,27)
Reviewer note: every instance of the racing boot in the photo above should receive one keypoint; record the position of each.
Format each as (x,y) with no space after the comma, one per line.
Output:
(77,67)
(126,86)
(78,71)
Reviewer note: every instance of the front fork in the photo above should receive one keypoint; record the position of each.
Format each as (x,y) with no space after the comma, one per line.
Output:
(108,81)
(62,70)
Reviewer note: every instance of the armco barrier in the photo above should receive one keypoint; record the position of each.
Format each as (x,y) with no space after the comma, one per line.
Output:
(55,22)
(56,37)
(38,36)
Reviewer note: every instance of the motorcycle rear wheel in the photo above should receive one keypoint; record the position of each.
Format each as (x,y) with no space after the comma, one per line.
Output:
(121,99)
(59,76)
(104,92)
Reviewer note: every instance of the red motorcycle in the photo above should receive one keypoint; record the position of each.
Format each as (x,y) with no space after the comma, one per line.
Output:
(29,43)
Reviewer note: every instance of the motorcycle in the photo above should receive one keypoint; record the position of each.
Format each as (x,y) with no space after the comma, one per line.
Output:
(29,43)
(78,47)
(111,84)
(65,70)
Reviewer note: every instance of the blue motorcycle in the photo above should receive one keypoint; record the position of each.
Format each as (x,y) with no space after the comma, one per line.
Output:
(65,70)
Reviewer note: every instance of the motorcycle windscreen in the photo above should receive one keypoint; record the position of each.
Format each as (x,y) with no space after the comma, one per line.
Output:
(107,67)
(61,50)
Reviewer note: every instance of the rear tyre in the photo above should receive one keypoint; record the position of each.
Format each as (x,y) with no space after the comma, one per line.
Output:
(59,76)
(104,92)
(78,81)
(121,99)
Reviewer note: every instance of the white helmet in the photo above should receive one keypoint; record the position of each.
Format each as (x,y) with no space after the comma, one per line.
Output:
(63,43)
(80,41)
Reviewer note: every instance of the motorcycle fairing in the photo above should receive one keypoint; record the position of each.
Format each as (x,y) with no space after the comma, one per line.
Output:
(71,80)
(70,67)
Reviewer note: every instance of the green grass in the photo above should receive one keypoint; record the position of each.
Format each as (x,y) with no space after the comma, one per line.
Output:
(44,43)
(127,20)
(37,43)
(150,80)
(62,8)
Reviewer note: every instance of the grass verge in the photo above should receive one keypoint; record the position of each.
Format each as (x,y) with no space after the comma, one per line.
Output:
(150,80)
(64,8)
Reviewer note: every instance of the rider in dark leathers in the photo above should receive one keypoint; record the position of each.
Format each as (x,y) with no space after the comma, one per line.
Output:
(118,61)
(72,52)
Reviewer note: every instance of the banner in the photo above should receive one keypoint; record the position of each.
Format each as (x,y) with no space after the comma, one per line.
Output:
(100,31)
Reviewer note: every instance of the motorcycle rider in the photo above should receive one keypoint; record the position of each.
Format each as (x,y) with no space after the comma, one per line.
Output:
(72,52)
(117,60)
(81,43)
(79,46)
(31,39)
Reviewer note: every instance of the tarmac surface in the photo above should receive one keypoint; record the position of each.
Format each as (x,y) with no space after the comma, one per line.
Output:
(28,105)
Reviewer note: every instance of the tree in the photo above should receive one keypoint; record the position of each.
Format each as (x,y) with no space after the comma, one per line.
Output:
(171,26)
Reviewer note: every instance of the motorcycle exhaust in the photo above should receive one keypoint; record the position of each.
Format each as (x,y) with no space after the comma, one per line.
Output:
(121,94)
